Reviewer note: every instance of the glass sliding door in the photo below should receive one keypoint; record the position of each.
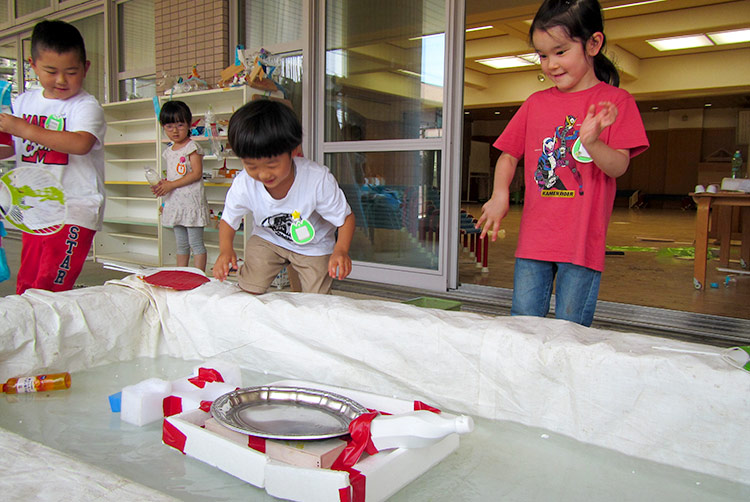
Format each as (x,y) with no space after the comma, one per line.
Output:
(382,130)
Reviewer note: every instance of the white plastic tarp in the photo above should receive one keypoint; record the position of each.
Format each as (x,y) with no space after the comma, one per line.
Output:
(623,391)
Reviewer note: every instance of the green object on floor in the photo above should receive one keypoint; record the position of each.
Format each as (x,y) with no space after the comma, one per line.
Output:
(686,252)
(434,303)
(631,248)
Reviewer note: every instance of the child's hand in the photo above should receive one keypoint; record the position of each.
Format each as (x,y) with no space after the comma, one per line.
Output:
(12,125)
(596,121)
(162,188)
(493,212)
(224,263)
(339,265)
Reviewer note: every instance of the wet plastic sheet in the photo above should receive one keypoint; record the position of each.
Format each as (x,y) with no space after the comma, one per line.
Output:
(684,406)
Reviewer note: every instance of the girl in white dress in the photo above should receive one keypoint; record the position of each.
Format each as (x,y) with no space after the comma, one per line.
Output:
(185,206)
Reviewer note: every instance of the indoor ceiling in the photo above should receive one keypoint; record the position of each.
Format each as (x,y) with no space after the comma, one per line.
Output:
(627,29)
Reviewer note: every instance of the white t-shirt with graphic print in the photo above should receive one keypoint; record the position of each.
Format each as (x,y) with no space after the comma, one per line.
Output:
(315,196)
(82,176)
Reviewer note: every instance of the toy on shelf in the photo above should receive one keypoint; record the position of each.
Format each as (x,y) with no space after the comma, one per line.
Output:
(254,69)
(165,83)
(194,82)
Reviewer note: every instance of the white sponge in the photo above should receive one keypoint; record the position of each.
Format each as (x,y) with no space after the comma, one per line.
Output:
(142,403)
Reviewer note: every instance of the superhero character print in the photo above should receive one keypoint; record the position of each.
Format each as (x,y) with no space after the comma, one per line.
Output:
(556,155)
(545,175)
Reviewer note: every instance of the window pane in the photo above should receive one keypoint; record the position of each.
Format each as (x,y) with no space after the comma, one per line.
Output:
(9,66)
(138,87)
(288,74)
(269,22)
(4,13)
(25,7)
(136,35)
(384,68)
(29,77)
(92,31)
(395,198)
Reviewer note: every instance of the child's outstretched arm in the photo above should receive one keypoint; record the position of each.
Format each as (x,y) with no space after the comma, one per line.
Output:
(73,142)
(196,164)
(227,257)
(613,162)
(495,209)
(340,264)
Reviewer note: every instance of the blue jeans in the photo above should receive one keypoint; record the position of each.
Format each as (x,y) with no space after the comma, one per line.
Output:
(575,292)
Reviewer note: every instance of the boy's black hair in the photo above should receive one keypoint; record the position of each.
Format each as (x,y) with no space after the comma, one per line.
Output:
(264,128)
(175,111)
(580,19)
(57,36)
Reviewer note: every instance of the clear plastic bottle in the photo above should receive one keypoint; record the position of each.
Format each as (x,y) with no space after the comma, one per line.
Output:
(151,176)
(39,383)
(212,131)
(416,429)
(737,165)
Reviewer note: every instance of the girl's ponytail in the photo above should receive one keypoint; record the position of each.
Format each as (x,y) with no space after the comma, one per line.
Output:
(605,70)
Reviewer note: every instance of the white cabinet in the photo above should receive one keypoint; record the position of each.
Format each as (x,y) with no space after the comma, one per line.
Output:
(132,231)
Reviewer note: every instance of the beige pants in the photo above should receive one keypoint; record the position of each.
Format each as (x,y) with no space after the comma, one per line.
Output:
(264,260)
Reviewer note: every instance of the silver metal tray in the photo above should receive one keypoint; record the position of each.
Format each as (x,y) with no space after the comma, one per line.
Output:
(278,412)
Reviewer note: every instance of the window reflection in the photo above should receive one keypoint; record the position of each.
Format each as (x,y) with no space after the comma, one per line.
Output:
(384,72)
(395,197)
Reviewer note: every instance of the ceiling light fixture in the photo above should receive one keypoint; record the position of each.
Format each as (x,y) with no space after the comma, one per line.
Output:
(635,4)
(681,42)
(504,62)
(479,28)
(730,37)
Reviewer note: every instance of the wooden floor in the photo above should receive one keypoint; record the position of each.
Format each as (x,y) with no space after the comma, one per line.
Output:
(651,277)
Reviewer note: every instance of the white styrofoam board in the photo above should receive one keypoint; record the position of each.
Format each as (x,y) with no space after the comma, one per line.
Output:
(385,473)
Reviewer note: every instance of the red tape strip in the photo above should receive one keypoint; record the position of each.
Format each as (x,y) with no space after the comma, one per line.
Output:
(206,375)
(172,405)
(256,443)
(419,405)
(359,430)
(172,436)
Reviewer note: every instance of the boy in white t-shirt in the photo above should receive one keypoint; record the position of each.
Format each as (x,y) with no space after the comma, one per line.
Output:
(59,128)
(297,205)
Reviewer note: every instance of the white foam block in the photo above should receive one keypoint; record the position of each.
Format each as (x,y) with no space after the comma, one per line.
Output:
(141,403)
(218,451)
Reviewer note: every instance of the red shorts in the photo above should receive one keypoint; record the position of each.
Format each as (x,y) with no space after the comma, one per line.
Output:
(53,262)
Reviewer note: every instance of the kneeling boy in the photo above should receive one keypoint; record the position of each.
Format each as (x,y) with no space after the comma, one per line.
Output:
(297,205)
